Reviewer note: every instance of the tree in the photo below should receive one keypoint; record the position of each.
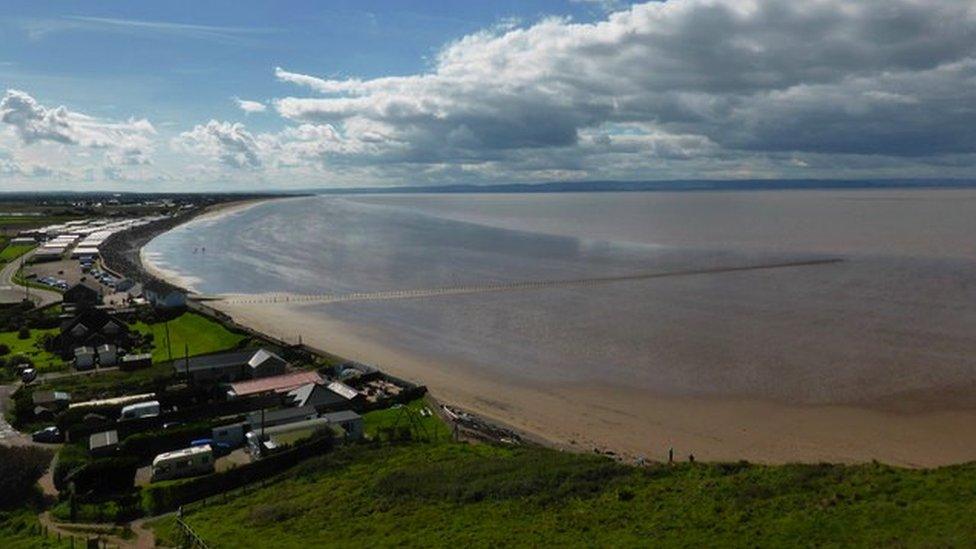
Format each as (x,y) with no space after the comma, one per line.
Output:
(20,468)
(4,349)
(23,333)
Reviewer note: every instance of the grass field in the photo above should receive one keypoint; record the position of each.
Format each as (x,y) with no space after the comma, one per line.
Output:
(10,253)
(29,347)
(20,529)
(445,494)
(200,335)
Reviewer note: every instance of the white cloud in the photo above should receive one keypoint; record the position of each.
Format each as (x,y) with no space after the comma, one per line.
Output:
(229,143)
(704,79)
(250,106)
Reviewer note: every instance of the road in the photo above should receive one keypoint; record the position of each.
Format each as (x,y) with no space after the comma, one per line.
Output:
(13,293)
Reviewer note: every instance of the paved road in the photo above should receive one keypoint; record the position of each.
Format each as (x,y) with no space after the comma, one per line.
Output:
(13,293)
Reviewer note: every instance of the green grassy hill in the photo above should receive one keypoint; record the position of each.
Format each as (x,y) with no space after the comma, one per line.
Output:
(445,494)
(197,333)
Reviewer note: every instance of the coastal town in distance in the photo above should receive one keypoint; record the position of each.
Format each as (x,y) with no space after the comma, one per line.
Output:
(553,273)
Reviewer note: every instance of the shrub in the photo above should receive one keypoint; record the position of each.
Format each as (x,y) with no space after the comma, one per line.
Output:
(18,359)
(4,349)
(70,458)
(20,467)
(23,333)
(114,475)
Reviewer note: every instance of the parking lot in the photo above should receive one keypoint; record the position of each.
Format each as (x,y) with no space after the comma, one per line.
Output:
(65,273)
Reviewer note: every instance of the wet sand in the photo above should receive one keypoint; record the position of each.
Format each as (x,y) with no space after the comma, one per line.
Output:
(636,422)
(868,357)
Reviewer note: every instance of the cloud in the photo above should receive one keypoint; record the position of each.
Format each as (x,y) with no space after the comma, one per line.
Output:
(229,143)
(40,28)
(250,106)
(702,79)
(35,123)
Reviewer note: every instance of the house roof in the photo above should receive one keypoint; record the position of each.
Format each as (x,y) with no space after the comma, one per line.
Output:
(93,320)
(278,384)
(283,415)
(344,415)
(44,397)
(215,361)
(262,356)
(100,440)
(343,390)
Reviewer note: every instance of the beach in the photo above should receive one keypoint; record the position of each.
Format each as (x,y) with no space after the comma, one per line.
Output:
(865,357)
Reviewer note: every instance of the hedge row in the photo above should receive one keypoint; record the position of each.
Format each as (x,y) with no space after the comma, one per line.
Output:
(149,444)
(167,496)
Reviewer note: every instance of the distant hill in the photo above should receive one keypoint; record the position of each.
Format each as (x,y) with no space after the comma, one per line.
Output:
(670,185)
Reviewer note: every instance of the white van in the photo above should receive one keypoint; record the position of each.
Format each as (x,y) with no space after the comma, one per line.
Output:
(140,410)
(188,462)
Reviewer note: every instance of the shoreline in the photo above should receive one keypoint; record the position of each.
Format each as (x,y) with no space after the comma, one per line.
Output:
(628,422)
(633,423)
(123,252)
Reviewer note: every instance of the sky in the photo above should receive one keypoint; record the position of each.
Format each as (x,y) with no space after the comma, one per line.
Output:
(248,95)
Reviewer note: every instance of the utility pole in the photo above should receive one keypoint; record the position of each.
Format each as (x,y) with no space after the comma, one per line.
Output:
(169,348)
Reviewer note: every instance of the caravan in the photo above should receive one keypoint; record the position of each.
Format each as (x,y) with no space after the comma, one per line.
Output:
(188,462)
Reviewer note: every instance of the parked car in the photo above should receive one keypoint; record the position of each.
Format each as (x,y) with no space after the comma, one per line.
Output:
(48,434)
(28,375)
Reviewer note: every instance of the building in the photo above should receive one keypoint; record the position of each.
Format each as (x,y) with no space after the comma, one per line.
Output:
(82,295)
(163,296)
(260,441)
(229,366)
(135,362)
(92,328)
(103,444)
(232,435)
(84,358)
(351,422)
(140,410)
(282,416)
(51,401)
(276,384)
(321,397)
(107,355)
(264,363)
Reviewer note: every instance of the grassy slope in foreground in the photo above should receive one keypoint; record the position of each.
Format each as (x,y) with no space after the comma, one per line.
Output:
(446,494)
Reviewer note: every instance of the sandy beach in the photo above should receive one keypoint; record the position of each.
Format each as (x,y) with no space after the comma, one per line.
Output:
(867,358)
(635,423)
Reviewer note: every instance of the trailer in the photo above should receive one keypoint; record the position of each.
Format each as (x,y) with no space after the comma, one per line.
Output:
(188,462)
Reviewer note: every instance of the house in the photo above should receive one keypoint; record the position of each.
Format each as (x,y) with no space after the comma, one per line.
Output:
(84,358)
(275,384)
(91,328)
(163,296)
(82,295)
(229,366)
(52,401)
(351,422)
(270,418)
(107,355)
(103,444)
(319,397)
(264,363)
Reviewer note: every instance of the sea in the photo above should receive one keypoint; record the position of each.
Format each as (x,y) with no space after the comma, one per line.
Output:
(832,296)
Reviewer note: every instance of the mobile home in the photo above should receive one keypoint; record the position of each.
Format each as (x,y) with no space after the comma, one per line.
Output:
(188,462)
(260,441)
(141,410)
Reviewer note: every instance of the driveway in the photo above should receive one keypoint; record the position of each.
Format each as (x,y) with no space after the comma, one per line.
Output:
(11,292)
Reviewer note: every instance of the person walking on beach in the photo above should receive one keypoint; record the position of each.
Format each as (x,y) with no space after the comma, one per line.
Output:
(670,455)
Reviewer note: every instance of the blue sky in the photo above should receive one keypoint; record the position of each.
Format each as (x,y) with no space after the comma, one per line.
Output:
(397,93)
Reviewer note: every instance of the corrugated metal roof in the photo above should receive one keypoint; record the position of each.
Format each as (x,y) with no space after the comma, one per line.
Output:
(280,383)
